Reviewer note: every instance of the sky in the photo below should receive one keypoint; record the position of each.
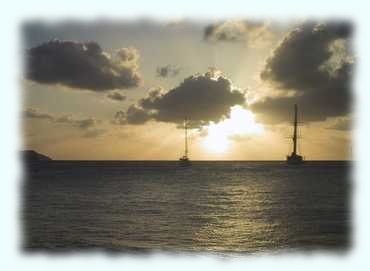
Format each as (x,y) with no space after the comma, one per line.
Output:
(120,90)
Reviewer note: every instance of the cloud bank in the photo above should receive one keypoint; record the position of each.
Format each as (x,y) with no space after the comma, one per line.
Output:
(200,98)
(315,62)
(82,66)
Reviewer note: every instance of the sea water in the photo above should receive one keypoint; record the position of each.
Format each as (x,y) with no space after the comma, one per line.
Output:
(237,207)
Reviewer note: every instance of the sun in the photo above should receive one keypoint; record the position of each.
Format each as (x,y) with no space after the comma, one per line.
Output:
(240,123)
(216,141)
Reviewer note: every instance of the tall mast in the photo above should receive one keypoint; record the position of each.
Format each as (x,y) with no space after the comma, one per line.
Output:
(295,129)
(186,137)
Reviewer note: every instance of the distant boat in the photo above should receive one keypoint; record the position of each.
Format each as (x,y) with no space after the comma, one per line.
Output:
(294,158)
(184,160)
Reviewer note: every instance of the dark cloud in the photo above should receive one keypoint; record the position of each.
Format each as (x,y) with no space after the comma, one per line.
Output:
(116,96)
(134,115)
(255,34)
(168,71)
(201,99)
(82,66)
(137,115)
(81,123)
(315,62)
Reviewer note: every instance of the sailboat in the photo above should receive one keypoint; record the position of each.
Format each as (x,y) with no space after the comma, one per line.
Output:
(184,160)
(294,158)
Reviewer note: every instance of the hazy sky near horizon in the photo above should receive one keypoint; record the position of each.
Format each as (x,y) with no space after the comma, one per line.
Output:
(120,90)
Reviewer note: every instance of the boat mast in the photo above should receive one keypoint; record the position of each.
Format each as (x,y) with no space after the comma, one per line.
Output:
(295,129)
(186,137)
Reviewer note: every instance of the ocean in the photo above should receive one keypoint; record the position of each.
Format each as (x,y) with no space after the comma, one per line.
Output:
(220,207)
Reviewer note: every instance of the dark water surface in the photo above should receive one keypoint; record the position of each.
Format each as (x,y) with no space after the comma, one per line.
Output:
(211,206)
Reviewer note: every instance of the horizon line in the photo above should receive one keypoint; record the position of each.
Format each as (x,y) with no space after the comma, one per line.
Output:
(172,160)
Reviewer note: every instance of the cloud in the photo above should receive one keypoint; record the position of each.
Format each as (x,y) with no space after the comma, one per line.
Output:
(314,61)
(119,118)
(116,96)
(134,115)
(86,124)
(35,113)
(137,115)
(168,71)
(200,98)
(94,133)
(82,66)
(255,34)
(341,124)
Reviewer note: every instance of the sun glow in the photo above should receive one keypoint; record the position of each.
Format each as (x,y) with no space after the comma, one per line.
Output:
(240,123)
